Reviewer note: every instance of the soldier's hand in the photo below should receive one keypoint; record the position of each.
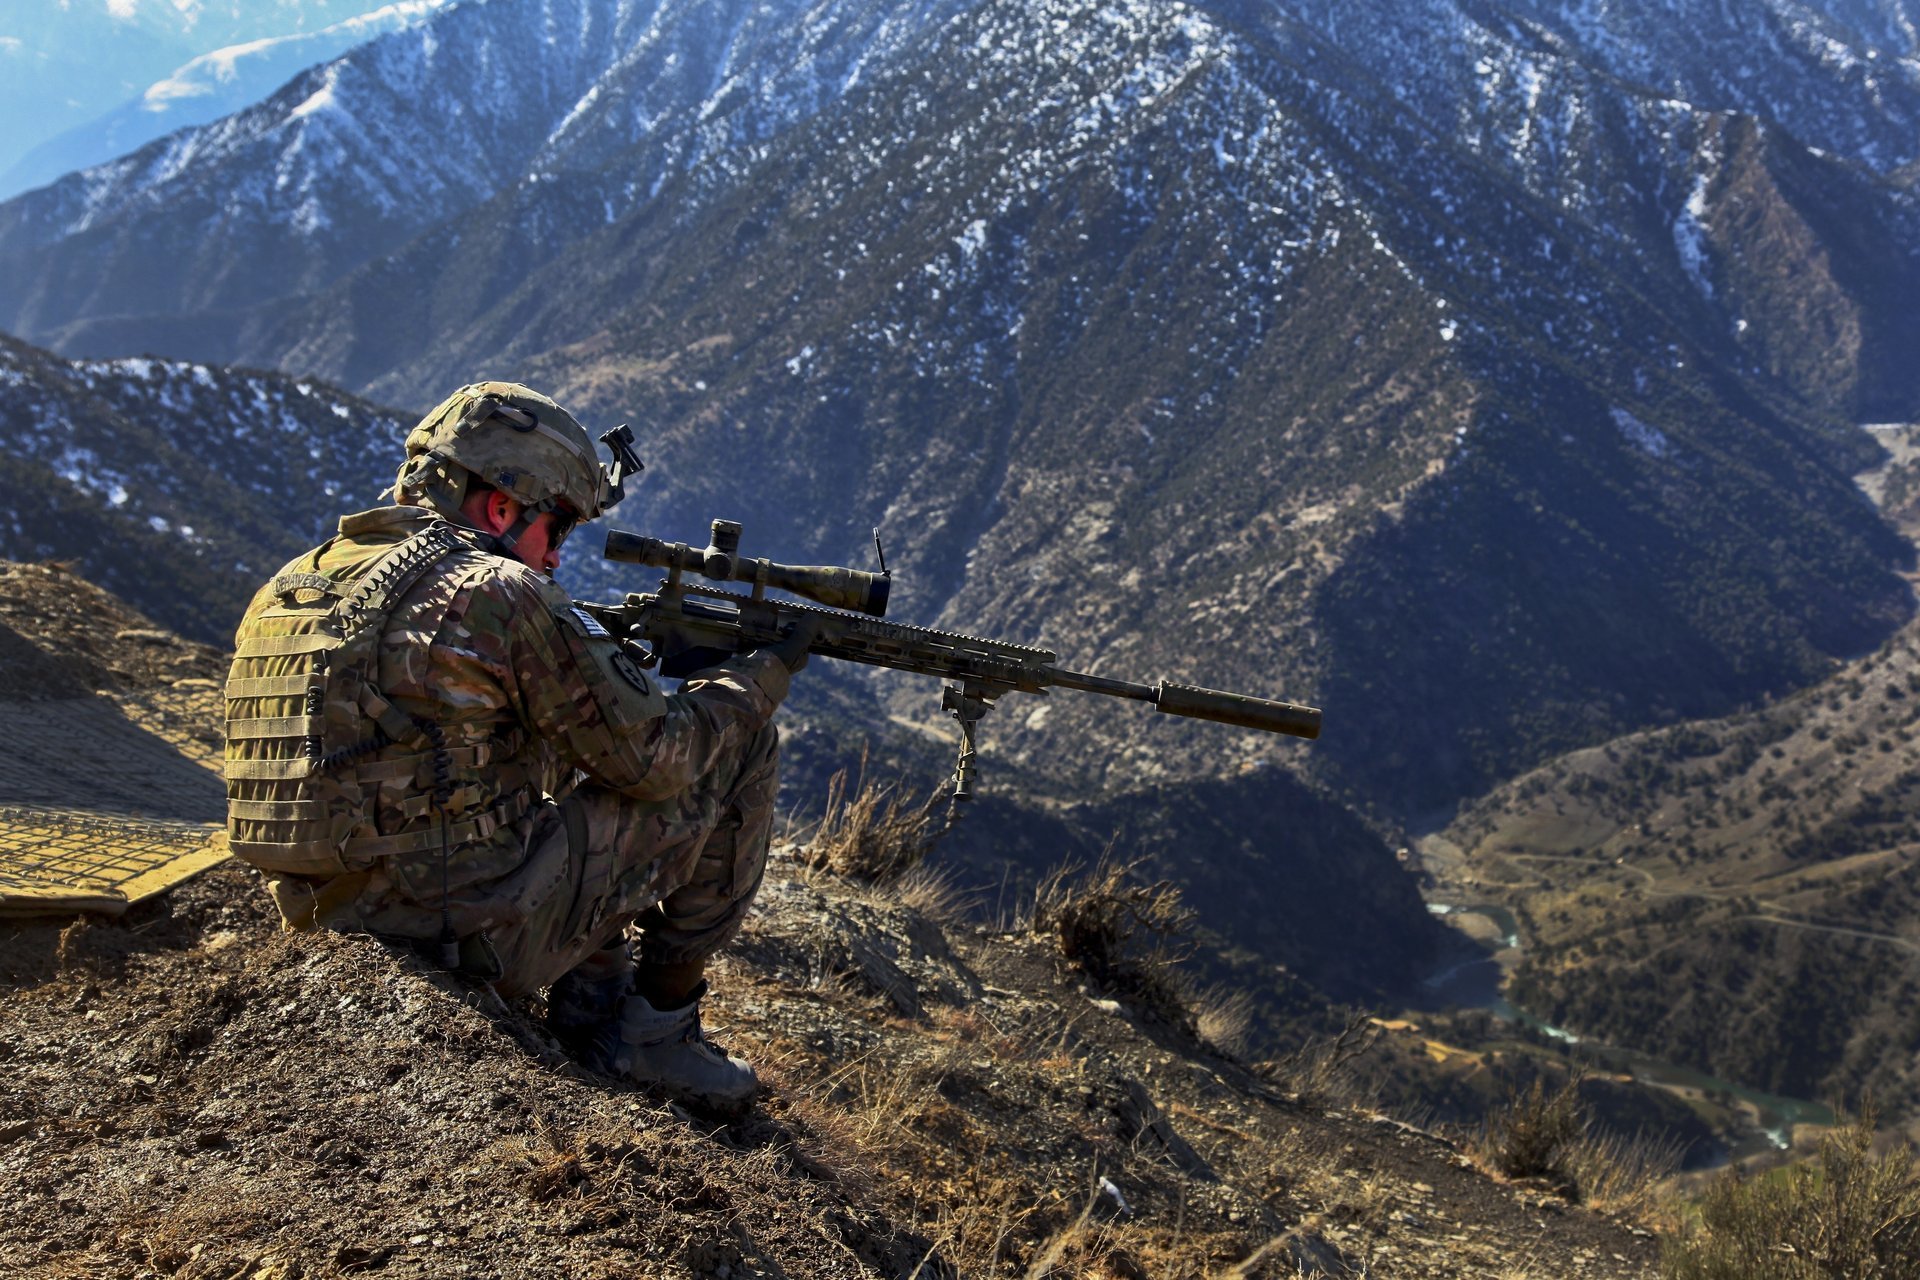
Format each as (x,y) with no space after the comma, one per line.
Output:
(791,648)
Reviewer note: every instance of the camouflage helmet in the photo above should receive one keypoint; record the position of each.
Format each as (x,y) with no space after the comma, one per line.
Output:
(513,438)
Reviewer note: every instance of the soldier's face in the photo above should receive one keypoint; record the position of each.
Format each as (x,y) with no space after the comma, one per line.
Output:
(538,546)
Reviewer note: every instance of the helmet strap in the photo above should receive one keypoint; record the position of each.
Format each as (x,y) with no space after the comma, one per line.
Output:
(528,514)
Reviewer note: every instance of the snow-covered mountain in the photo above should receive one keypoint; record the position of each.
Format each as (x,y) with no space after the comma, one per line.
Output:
(206,88)
(179,485)
(357,157)
(1438,360)
(65,63)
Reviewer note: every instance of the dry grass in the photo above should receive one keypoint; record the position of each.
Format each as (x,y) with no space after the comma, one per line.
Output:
(1224,1019)
(1619,1174)
(1850,1216)
(870,831)
(1321,1072)
(213,1212)
(863,1113)
(932,893)
(1250,1265)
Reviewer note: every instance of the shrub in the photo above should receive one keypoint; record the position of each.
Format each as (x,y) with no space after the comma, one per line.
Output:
(875,834)
(1542,1134)
(1320,1072)
(1126,933)
(1224,1019)
(1847,1216)
(1531,1136)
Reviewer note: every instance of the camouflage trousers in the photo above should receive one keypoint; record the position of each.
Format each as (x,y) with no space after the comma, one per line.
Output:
(678,873)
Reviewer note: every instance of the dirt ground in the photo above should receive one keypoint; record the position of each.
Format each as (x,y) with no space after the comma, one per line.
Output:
(188,1092)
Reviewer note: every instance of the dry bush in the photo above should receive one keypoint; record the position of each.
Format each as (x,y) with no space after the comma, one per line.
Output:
(1126,933)
(871,832)
(552,1165)
(1533,1134)
(1546,1134)
(1320,1072)
(1850,1216)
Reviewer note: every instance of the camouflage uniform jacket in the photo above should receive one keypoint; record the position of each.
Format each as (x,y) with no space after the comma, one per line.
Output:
(528,695)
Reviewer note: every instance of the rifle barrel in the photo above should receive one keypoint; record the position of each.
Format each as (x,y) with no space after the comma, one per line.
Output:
(1101,684)
(1203,704)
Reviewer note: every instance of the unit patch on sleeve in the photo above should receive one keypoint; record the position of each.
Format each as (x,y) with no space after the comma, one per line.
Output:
(629,670)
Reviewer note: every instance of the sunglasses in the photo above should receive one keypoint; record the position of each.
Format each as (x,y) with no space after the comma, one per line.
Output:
(560,523)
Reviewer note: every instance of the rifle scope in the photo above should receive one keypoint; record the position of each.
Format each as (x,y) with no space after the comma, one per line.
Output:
(721,561)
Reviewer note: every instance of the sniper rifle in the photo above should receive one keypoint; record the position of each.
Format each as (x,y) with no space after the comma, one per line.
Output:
(688,626)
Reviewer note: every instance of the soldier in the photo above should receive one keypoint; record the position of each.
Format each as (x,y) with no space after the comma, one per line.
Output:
(428,741)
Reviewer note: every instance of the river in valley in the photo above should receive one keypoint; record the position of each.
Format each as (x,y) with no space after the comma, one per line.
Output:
(1479,984)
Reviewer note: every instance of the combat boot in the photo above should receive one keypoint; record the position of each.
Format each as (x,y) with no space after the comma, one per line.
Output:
(666,1048)
(583,1007)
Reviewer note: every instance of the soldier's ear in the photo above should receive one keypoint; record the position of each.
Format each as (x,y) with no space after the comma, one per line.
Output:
(501,511)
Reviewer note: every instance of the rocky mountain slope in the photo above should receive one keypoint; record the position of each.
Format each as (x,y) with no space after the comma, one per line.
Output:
(1741,894)
(1190,340)
(180,486)
(202,89)
(314,1105)
(68,62)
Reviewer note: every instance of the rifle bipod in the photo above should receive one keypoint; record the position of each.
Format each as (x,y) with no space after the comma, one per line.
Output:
(968,702)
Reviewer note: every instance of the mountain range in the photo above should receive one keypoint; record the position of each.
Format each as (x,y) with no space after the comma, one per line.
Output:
(68,62)
(179,486)
(202,89)
(1489,374)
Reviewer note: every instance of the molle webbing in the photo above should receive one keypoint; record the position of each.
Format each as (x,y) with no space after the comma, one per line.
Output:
(304,708)
(284,646)
(269,687)
(362,850)
(275,727)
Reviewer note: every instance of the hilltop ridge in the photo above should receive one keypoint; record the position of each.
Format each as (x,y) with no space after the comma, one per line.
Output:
(950,1105)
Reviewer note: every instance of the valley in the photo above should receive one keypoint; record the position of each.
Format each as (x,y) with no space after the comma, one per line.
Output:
(1737,895)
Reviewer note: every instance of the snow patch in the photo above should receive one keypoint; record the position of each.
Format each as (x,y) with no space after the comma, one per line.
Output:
(973,239)
(321,99)
(1648,439)
(1690,236)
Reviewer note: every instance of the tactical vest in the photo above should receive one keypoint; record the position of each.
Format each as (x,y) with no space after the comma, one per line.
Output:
(309,732)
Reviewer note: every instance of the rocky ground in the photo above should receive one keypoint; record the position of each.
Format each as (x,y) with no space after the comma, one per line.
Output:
(188,1092)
